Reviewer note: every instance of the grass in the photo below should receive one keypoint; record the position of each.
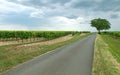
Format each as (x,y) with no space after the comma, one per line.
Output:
(104,61)
(114,45)
(11,58)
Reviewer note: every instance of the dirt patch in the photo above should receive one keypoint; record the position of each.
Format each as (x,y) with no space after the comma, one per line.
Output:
(61,39)
(2,43)
(83,34)
(7,43)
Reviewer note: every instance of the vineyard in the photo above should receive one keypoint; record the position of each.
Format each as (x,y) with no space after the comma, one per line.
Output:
(115,34)
(32,35)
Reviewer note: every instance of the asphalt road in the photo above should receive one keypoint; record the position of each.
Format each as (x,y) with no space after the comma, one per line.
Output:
(73,59)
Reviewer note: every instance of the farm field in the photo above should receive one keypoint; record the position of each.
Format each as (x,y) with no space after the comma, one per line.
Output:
(113,40)
(31,36)
(107,54)
(15,53)
(26,37)
(114,34)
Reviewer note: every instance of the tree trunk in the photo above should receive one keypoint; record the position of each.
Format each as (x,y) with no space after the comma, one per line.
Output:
(99,32)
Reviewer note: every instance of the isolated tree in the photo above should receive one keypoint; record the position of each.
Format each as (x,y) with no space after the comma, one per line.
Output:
(100,24)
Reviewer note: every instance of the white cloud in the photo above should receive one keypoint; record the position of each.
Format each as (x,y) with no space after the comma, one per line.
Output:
(22,0)
(61,20)
(7,7)
(37,14)
(79,24)
(13,27)
(64,23)
(65,20)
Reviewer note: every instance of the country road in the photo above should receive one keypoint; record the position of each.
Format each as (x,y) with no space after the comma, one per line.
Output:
(72,59)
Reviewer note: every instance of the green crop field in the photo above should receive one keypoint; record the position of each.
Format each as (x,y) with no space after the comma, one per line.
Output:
(21,35)
(115,34)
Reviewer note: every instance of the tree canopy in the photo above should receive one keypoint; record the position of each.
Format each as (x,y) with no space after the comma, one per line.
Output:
(100,24)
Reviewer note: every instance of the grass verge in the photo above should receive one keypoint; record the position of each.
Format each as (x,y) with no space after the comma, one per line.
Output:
(104,62)
(11,58)
(114,45)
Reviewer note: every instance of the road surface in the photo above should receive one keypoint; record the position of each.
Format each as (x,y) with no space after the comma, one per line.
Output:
(73,59)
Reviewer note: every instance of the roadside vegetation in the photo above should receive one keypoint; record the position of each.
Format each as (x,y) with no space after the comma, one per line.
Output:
(106,55)
(113,40)
(10,56)
(32,35)
(113,34)
(26,37)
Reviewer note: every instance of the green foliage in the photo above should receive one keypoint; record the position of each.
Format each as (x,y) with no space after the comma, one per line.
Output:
(100,24)
(34,34)
(114,46)
(115,34)
(104,62)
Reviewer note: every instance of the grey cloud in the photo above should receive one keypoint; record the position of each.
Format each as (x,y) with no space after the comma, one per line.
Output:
(83,4)
(111,5)
(95,5)
(42,3)
(59,1)
(71,16)
(114,16)
(102,5)
(32,3)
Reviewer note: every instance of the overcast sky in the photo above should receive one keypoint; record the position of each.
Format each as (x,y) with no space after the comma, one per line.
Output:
(57,14)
